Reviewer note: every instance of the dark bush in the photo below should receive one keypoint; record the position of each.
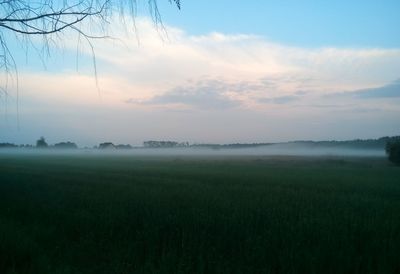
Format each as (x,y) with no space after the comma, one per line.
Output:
(393,150)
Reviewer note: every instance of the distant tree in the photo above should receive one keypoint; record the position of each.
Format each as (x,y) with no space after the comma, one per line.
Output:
(121,146)
(106,145)
(7,145)
(41,143)
(66,145)
(160,144)
(393,150)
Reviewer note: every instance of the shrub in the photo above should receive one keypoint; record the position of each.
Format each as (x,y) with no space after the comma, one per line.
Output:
(393,150)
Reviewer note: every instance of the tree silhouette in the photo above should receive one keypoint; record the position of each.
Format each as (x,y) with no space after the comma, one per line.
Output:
(65,145)
(41,143)
(393,150)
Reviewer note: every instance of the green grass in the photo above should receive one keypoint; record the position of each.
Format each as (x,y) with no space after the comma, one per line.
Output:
(125,214)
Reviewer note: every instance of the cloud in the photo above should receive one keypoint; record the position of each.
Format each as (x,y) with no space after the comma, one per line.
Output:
(388,91)
(203,95)
(391,90)
(259,87)
(240,58)
(230,68)
(280,100)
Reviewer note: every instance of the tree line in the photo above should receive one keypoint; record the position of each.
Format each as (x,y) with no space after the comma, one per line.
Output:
(390,144)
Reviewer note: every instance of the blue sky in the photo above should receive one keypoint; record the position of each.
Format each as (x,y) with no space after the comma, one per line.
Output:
(308,23)
(228,72)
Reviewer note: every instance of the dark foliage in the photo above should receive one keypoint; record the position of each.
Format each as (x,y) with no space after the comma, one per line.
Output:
(393,150)
(7,145)
(106,145)
(164,144)
(121,146)
(41,143)
(66,145)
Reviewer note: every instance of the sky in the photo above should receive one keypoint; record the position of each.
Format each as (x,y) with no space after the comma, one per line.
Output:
(218,72)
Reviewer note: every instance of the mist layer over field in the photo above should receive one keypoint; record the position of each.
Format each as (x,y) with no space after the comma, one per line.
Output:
(291,149)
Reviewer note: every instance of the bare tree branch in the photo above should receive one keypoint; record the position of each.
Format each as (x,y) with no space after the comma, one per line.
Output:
(49,19)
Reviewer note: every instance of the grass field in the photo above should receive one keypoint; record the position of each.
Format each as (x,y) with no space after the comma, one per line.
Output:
(131,214)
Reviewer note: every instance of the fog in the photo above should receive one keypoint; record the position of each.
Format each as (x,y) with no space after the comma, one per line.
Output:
(270,150)
(290,149)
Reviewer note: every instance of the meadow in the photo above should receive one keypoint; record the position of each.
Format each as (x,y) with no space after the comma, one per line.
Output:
(182,214)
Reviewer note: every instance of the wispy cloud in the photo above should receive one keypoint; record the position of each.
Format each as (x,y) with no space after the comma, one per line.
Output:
(391,90)
(388,91)
(280,100)
(202,95)
(241,58)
